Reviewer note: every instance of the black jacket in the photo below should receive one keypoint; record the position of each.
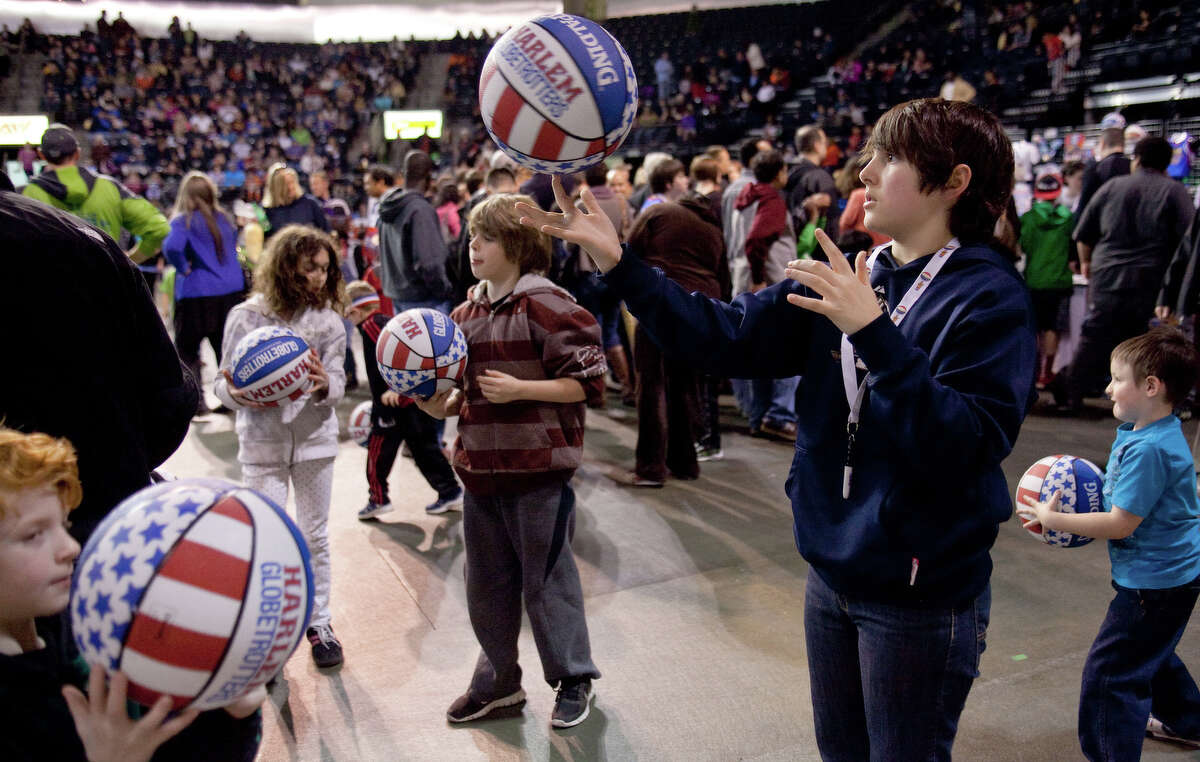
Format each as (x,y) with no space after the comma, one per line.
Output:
(1181,285)
(412,252)
(88,357)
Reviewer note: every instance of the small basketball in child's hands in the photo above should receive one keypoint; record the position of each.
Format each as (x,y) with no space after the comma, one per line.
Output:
(271,364)
(360,423)
(1080,483)
(421,352)
(196,589)
(558,93)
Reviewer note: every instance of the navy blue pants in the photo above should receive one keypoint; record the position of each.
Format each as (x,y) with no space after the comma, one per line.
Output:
(889,682)
(1132,670)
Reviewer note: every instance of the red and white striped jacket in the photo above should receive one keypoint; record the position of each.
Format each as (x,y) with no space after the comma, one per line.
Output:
(538,332)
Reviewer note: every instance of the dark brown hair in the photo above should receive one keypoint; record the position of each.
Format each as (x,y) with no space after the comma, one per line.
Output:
(496,218)
(935,136)
(1164,353)
(664,174)
(705,168)
(282,283)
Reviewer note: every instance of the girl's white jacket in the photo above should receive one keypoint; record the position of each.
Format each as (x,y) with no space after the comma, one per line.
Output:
(304,429)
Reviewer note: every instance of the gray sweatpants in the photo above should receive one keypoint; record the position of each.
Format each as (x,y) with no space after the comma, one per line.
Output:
(521,544)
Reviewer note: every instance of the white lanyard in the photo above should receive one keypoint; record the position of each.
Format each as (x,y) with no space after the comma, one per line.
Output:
(855,392)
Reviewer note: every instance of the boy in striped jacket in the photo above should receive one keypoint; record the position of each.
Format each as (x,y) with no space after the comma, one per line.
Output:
(535,359)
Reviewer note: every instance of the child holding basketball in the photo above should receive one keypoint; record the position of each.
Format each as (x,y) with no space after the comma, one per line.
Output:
(1133,682)
(395,420)
(896,487)
(534,359)
(46,714)
(298,285)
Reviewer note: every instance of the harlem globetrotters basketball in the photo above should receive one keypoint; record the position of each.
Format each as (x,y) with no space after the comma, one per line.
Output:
(558,93)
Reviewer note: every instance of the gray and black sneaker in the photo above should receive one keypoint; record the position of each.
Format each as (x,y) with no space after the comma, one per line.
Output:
(326,649)
(371,510)
(469,707)
(442,504)
(573,702)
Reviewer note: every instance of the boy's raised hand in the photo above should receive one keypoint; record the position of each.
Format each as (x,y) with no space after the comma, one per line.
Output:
(591,229)
(104,726)
(847,298)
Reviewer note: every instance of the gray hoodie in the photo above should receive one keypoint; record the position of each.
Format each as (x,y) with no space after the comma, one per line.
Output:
(411,249)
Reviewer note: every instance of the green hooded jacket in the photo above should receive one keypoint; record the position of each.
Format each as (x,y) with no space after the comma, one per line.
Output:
(104,202)
(1046,241)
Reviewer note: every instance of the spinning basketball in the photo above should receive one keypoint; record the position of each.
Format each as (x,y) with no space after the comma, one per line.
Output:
(558,93)
(1080,483)
(421,352)
(270,364)
(360,423)
(197,589)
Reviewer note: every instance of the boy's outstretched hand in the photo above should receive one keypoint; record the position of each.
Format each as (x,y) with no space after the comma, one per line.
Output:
(104,726)
(592,229)
(847,298)
(1033,513)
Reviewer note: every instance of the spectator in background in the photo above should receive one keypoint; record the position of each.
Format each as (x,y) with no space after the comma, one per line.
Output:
(411,248)
(287,203)
(446,204)
(1111,162)
(593,293)
(808,177)
(668,182)
(705,175)
(1126,237)
(1072,182)
(682,236)
(664,75)
(1046,240)
(208,280)
(378,180)
(769,404)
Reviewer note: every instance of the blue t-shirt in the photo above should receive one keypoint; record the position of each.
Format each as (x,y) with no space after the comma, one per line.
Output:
(1151,474)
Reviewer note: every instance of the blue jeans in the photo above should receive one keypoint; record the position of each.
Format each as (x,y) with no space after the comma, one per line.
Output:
(889,682)
(771,399)
(1132,670)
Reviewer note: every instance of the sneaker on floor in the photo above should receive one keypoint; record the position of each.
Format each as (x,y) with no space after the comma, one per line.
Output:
(631,479)
(573,702)
(326,649)
(1155,729)
(443,504)
(371,510)
(706,454)
(468,707)
(784,431)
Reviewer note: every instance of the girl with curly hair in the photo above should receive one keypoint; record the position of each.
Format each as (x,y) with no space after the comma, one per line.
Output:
(298,285)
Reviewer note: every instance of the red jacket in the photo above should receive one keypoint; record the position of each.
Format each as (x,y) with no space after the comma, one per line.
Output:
(538,332)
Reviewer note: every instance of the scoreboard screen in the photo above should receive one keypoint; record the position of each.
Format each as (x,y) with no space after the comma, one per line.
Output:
(410,125)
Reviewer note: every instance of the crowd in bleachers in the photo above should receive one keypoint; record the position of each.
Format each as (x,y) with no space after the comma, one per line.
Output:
(159,107)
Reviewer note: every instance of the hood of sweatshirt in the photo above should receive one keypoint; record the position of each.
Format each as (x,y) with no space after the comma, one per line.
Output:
(399,203)
(755,192)
(1047,215)
(70,185)
(528,285)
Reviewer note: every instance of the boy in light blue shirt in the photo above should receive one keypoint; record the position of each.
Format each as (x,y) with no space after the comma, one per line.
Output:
(1133,682)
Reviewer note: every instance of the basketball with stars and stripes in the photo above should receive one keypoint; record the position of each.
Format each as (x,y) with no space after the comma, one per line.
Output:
(359,426)
(196,589)
(421,352)
(558,93)
(1081,483)
(270,364)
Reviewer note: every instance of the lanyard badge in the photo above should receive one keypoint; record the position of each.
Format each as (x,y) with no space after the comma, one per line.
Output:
(856,391)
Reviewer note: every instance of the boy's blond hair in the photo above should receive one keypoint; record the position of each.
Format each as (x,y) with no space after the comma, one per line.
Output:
(28,461)
(496,218)
(357,288)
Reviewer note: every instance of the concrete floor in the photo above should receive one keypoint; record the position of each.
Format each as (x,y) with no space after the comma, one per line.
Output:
(694,598)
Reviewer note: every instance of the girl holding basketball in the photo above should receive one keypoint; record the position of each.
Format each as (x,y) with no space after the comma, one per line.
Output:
(298,285)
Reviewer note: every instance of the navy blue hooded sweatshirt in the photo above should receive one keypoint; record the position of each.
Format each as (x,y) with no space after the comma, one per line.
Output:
(947,390)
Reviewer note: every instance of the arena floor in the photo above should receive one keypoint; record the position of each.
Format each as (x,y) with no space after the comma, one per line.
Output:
(694,600)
